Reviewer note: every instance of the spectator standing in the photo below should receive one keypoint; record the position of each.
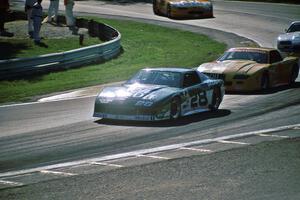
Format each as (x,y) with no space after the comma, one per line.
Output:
(4,10)
(37,18)
(28,9)
(69,4)
(53,11)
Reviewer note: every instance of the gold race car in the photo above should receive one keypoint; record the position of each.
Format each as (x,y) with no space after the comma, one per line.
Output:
(249,69)
(183,8)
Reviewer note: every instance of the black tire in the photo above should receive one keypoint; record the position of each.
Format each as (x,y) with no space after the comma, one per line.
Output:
(169,15)
(175,108)
(216,99)
(265,81)
(294,74)
(155,8)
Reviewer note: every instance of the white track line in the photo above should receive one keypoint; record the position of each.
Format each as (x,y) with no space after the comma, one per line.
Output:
(155,157)
(57,173)
(38,102)
(12,183)
(195,149)
(270,135)
(148,151)
(232,142)
(106,164)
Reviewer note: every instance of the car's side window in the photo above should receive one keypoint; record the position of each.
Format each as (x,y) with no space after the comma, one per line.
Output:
(202,76)
(191,79)
(275,57)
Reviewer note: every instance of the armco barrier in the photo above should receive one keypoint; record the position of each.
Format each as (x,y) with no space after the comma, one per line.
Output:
(23,67)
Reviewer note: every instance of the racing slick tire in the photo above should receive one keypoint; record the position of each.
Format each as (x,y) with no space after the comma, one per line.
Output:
(155,8)
(216,99)
(294,74)
(169,15)
(265,81)
(175,108)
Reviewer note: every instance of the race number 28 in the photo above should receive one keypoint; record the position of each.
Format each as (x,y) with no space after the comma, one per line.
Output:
(199,99)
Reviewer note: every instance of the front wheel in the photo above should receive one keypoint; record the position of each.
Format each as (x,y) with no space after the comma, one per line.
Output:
(265,82)
(175,108)
(155,8)
(169,11)
(294,74)
(216,99)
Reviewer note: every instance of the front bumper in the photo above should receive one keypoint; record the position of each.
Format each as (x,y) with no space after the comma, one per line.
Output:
(126,117)
(288,46)
(129,112)
(182,12)
(237,85)
(241,86)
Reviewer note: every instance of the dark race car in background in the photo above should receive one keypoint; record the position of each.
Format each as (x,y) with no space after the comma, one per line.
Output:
(160,94)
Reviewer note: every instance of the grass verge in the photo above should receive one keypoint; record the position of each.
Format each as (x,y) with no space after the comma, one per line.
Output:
(16,48)
(144,45)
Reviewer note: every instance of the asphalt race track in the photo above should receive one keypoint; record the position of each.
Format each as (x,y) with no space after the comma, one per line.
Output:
(41,134)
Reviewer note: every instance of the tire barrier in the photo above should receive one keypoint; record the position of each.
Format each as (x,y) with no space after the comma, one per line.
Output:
(23,67)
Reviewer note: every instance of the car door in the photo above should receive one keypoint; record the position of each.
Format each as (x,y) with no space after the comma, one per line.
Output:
(196,92)
(279,71)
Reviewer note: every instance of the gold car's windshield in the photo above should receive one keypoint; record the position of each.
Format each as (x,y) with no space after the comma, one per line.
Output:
(259,57)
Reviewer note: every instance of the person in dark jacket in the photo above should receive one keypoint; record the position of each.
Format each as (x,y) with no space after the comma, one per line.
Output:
(28,9)
(4,10)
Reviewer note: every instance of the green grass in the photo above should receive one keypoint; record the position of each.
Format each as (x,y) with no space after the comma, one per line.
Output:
(144,46)
(16,48)
(273,1)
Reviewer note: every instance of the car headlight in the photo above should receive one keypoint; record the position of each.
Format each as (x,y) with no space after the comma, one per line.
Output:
(296,37)
(104,99)
(241,76)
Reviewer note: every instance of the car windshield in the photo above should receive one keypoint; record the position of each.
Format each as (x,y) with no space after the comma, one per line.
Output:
(259,57)
(294,28)
(156,77)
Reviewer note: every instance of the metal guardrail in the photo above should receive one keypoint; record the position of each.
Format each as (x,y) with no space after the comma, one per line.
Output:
(22,67)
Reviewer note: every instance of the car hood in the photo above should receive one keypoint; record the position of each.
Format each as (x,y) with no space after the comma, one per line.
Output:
(229,66)
(288,36)
(136,92)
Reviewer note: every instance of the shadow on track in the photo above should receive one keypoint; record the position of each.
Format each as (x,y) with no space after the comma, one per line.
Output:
(168,123)
(269,91)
